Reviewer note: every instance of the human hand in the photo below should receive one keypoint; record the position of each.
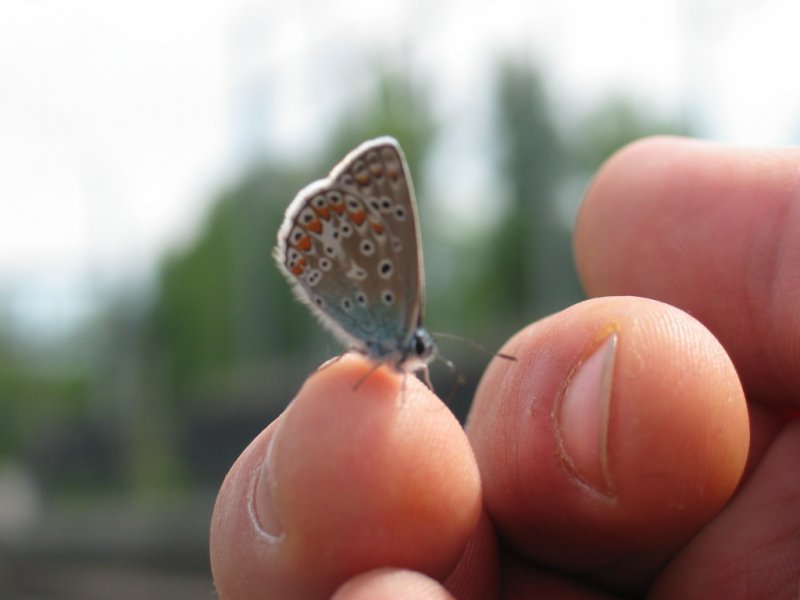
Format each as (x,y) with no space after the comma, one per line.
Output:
(610,458)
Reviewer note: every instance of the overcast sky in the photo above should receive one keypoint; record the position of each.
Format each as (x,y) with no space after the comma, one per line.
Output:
(119,120)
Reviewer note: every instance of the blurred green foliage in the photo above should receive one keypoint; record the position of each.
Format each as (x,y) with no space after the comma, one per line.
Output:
(216,301)
(531,161)
(34,396)
(180,383)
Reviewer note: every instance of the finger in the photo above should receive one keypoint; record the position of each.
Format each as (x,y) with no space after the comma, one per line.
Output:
(392,584)
(617,434)
(522,582)
(477,574)
(754,544)
(347,480)
(714,230)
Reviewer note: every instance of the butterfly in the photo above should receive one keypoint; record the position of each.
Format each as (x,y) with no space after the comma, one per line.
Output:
(350,246)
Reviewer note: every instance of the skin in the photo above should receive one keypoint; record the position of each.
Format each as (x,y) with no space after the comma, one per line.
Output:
(676,477)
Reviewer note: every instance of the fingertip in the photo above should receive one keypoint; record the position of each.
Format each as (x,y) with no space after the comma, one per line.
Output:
(643,173)
(392,584)
(237,545)
(391,470)
(664,451)
(711,229)
(366,468)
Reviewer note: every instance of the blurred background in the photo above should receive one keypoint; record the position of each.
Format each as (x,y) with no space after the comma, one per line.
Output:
(148,150)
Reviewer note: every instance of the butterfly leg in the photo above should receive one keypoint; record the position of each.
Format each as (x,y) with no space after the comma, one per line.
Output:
(366,375)
(426,377)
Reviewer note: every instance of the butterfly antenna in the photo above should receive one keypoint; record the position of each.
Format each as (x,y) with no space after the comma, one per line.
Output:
(476,345)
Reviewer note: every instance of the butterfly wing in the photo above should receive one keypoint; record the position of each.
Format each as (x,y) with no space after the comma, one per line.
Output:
(349,244)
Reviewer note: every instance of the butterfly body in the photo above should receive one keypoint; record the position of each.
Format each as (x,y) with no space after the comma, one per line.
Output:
(349,244)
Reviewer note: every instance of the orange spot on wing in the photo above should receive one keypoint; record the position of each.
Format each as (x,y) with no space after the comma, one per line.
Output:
(358,216)
(362,178)
(315,226)
(338,207)
(323,212)
(304,243)
(377,227)
(299,266)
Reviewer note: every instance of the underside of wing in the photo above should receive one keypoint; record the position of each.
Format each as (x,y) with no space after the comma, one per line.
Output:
(349,244)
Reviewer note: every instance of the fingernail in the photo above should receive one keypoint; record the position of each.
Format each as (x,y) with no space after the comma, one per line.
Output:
(267,515)
(581,418)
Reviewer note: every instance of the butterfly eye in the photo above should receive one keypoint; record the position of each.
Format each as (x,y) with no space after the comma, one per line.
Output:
(419,346)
